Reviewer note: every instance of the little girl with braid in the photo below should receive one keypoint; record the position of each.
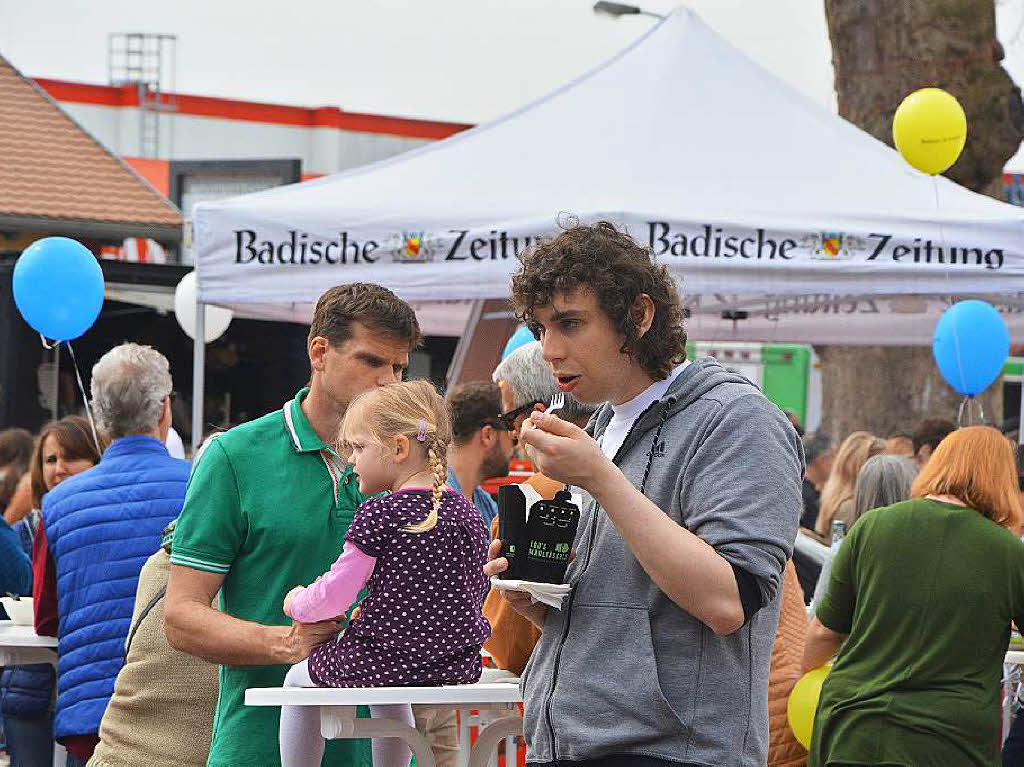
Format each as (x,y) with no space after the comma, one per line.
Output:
(419,551)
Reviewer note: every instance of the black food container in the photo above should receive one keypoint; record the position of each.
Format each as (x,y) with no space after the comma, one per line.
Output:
(536,535)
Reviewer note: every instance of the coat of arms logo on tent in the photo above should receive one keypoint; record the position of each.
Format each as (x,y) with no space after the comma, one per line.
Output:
(413,247)
(833,246)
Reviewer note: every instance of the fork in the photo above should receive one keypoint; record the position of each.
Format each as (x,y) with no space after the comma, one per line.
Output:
(557,402)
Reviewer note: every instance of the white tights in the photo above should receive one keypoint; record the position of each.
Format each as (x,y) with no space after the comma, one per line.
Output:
(302,745)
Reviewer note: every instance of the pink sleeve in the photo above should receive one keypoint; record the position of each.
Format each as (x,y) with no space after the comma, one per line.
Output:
(336,590)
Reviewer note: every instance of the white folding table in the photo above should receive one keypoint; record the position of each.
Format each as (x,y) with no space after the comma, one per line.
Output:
(21,645)
(338,712)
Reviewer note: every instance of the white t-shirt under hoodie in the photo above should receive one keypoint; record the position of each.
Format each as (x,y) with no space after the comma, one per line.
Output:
(625,415)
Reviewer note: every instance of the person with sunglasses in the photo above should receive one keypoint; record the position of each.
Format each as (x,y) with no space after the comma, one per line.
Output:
(513,418)
(526,384)
(483,443)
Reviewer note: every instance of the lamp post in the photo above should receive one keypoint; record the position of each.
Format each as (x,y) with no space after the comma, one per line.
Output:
(615,10)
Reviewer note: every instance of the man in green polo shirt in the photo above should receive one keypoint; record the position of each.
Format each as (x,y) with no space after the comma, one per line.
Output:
(266,510)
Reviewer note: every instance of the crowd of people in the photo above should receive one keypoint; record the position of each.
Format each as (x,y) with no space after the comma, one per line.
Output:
(346,540)
(914,600)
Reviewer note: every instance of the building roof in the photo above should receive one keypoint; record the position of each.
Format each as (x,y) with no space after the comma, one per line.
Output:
(55,177)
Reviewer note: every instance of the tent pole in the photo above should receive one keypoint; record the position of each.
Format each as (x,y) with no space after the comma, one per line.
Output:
(462,348)
(198,373)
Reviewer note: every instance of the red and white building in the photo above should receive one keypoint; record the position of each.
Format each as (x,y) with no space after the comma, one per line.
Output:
(80,177)
(325,139)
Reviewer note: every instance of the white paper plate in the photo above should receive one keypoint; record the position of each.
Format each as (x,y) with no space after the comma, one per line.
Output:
(20,611)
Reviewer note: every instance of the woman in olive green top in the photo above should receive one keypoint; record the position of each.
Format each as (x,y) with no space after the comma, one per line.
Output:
(923,593)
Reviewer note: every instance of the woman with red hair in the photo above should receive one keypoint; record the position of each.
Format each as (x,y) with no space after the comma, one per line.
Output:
(921,597)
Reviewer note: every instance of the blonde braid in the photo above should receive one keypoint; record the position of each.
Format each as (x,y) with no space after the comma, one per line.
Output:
(437,463)
(437,466)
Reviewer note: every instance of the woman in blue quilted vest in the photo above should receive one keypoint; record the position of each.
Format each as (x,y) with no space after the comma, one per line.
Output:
(64,448)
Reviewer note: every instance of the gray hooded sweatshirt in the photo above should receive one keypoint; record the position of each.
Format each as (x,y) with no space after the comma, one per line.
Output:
(622,669)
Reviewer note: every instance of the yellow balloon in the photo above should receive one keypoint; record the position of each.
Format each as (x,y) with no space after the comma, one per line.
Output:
(803,702)
(930,129)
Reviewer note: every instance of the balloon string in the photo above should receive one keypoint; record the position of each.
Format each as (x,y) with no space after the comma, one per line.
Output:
(942,243)
(85,398)
(48,346)
(968,402)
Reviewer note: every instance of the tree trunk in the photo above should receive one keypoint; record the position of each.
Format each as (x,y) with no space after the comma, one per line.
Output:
(889,389)
(882,50)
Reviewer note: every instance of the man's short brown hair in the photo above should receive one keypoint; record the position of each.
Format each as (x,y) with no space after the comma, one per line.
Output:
(473,406)
(371,305)
(931,432)
(617,270)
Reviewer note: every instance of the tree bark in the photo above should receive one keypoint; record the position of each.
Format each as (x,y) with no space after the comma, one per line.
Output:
(882,50)
(890,389)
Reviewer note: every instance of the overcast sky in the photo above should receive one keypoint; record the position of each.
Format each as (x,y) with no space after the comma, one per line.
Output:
(460,60)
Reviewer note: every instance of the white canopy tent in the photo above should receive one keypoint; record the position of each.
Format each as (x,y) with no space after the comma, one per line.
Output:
(767,207)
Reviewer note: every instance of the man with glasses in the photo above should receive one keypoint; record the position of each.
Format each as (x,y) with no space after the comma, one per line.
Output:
(514,416)
(526,383)
(483,443)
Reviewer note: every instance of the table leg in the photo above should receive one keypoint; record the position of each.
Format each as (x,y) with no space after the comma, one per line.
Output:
(511,751)
(465,722)
(1008,696)
(488,739)
(483,721)
(341,722)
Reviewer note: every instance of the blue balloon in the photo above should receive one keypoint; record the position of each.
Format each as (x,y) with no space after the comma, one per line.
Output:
(58,287)
(521,337)
(970,346)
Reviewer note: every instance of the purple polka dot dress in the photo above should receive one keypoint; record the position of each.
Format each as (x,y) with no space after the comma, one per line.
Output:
(422,620)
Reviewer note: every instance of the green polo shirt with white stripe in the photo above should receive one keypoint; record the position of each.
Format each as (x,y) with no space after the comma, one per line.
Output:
(267,507)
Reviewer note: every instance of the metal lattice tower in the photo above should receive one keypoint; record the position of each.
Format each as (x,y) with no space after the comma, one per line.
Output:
(147,61)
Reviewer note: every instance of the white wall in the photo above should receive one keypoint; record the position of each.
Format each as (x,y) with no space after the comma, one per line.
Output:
(102,122)
(210,138)
(187,137)
(362,148)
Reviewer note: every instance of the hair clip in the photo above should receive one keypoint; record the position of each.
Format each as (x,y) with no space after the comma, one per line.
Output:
(422,435)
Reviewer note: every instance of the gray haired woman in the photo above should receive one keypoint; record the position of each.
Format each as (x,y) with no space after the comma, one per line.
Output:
(883,480)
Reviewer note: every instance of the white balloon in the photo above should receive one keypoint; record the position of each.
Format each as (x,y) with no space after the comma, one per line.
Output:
(217,319)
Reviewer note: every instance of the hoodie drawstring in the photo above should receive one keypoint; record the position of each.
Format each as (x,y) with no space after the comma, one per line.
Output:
(669,402)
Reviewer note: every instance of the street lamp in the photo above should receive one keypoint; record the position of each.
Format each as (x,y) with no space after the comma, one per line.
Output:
(621,9)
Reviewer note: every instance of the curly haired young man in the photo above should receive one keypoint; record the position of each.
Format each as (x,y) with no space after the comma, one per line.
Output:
(661,653)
